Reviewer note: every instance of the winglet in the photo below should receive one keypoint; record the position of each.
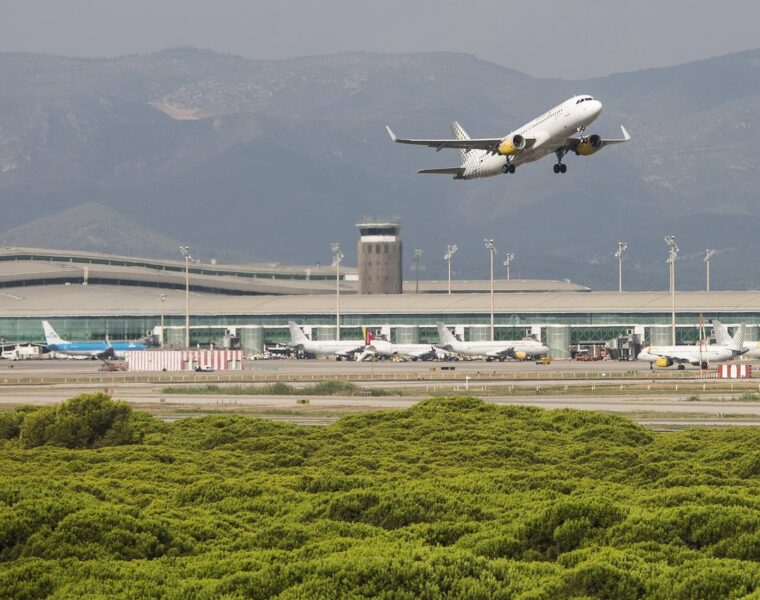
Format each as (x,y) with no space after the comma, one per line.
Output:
(626,135)
(394,137)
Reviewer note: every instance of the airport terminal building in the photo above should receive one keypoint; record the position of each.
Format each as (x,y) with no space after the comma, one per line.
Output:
(91,296)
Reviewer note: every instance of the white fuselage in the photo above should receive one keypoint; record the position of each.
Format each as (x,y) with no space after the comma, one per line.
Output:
(497,349)
(386,348)
(550,130)
(752,349)
(691,354)
(330,347)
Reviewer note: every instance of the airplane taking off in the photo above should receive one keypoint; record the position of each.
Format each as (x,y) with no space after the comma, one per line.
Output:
(700,354)
(551,133)
(100,350)
(340,348)
(502,350)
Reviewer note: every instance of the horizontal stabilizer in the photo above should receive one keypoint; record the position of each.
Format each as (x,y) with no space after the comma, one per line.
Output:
(457,172)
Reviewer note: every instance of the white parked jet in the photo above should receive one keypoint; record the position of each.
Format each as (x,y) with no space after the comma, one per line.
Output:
(340,348)
(700,354)
(500,350)
(551,133)
(388,349)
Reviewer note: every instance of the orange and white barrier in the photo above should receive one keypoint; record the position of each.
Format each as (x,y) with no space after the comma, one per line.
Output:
(184,360)
(734,371)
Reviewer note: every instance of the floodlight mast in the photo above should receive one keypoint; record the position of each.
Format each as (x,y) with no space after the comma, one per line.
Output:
(508,262)
(162,297)
(491,251)
(417,258)
(450,250)
(622,247)
(185,251)
(708,255)
(673,249)
(337,257)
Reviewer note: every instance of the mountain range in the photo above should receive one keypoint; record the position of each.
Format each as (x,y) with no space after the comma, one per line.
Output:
(273,160)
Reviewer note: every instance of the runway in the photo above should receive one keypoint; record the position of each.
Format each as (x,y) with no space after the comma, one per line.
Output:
(660,399)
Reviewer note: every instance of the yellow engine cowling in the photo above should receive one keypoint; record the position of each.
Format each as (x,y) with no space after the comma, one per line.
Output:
(520,355)
(588,147)
(513,145)
(664,362)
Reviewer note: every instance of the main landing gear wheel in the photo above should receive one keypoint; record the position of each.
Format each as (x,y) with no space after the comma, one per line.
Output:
(560,168)
(508,168)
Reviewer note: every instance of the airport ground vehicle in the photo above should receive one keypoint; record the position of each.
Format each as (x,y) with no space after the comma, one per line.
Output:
(544,360)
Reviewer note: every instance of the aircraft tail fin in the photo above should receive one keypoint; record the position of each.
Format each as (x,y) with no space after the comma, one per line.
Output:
(735,343)
(738,339)
(51,337)
(297,336)
(459,133)
(721,333)
(444,335)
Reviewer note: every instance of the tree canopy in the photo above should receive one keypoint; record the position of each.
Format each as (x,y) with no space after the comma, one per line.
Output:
(453,498)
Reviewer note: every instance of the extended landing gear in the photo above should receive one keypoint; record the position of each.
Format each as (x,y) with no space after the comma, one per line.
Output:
(560,167)
(508,168)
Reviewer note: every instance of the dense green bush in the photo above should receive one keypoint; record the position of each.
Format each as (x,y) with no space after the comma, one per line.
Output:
(453,498)
(87,421)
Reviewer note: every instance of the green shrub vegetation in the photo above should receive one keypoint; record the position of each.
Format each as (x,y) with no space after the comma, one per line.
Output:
(453,498)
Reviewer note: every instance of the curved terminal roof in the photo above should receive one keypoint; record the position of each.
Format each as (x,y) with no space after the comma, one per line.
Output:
(107,300)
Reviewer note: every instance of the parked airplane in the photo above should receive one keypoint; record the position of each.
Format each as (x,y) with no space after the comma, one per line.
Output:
(496,350)
(412,352)
(339,348)
(752,348)
(700,354)
(101,350)
(551,133)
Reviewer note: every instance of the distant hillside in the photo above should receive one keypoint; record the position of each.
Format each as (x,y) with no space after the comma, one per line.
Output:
(275,159)
(94,228)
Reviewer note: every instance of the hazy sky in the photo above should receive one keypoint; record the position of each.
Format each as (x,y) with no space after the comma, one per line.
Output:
(560,38)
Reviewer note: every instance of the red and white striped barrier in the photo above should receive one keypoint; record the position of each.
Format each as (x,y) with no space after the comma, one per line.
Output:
(184,360)
(734,371)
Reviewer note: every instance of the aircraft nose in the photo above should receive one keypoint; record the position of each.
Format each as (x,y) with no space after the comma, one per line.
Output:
(596,107)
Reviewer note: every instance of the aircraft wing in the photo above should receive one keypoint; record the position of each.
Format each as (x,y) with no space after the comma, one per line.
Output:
(490,144)
(457,172)
(572,143)
(350,352)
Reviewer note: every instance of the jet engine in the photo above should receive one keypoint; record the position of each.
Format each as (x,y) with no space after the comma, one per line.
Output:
(521,355)
(664,361)
(589,146)
(513,145)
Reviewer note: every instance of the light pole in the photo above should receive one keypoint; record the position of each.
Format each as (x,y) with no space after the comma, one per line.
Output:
(508,261)
(185,250)
(708,255)
(163,303)
(670,240)
(491,250)
(622,247)
(450,250)
(337,257)
(417,258)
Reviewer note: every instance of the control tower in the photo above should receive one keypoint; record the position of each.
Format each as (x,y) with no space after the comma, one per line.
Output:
(378,257)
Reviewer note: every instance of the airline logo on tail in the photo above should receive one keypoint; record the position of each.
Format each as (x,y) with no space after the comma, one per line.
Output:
(735,343)
(51,337)
(445,336)
(297,336)
(459,133)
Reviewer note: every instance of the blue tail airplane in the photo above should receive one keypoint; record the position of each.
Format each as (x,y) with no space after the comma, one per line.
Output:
(102,350)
